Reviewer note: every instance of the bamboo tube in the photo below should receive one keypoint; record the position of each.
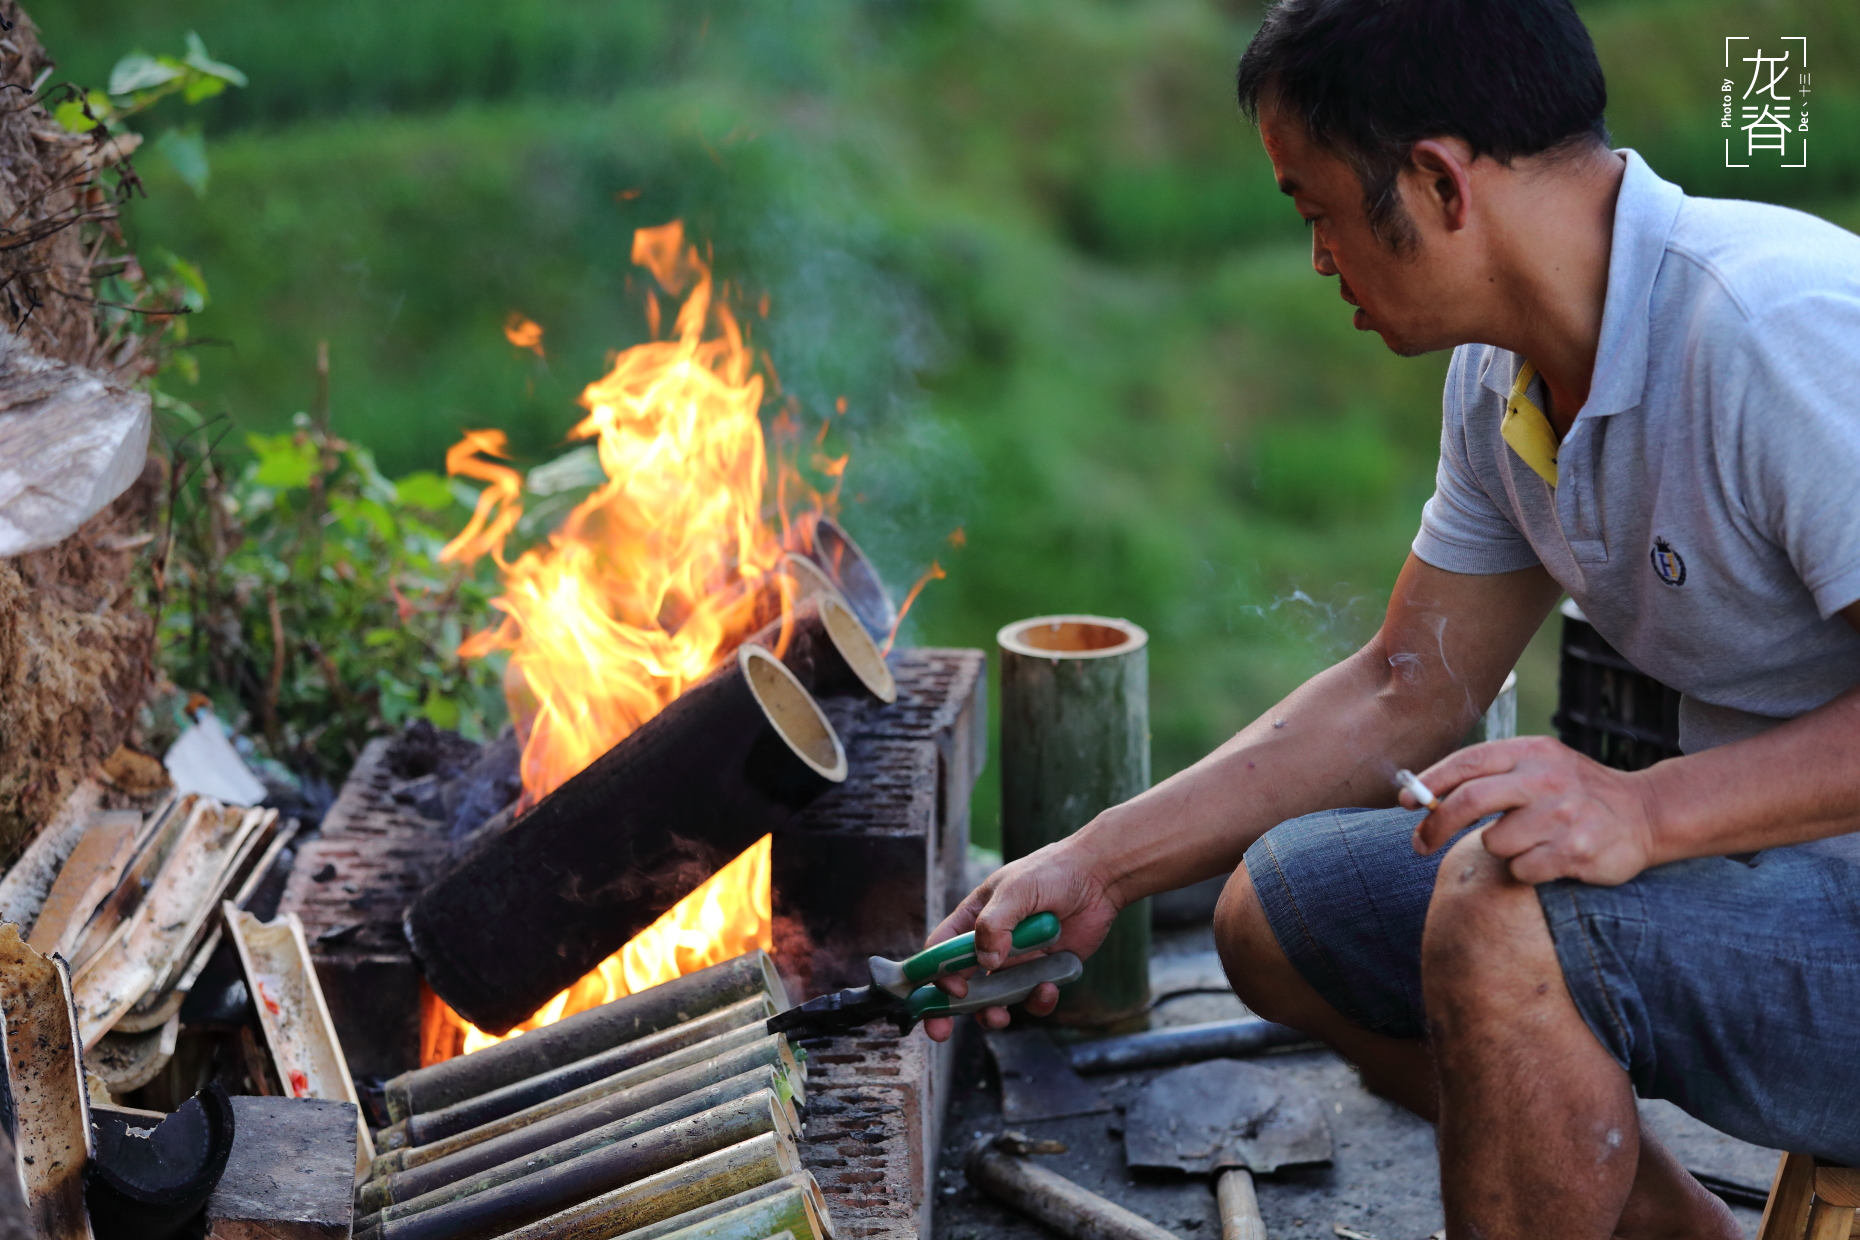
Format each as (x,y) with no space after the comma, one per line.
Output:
(438,1125)
(643,1087)
(657,1047)
(528,1189)
(787,1213)
(1075,740)
(801,1182)
(1073,1212)
(44,1078)
(669,1193)
(585,1033)
(539,1139)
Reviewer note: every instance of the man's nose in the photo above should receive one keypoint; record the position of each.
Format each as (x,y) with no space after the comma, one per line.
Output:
(1321,261)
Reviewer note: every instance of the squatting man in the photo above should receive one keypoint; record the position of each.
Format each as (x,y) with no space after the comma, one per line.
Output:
(1650,407)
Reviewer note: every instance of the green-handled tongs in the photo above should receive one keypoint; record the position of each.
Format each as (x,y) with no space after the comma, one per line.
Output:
(901,990)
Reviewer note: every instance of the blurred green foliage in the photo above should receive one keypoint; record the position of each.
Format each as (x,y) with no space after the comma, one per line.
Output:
(303,590)
(1030,242)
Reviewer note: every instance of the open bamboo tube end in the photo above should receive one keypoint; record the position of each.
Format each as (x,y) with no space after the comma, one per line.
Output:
(1072,637)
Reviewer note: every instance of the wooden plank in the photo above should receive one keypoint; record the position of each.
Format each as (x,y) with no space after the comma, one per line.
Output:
(46,1077)
(1829,1222)
(1791,1193)
(1837,1185)
(292,1013)
(290,1173)
(89,874)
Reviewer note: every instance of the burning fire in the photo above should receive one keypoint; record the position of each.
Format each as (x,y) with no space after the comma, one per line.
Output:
(666,567)
(730,914)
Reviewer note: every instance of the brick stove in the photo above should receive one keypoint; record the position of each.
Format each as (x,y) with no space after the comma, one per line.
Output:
(867,869)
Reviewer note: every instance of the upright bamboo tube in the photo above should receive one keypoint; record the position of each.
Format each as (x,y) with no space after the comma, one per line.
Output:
(1075,740)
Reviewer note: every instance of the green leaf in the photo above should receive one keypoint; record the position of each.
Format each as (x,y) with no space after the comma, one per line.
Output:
(200,87)
(197,58)
(70,114)
(186,151)
(425,490)
(442,710)
(283,460)
(380,637)
(195,284)
(139,72)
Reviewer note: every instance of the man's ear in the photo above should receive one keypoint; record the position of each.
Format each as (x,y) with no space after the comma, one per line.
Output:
(1439,182)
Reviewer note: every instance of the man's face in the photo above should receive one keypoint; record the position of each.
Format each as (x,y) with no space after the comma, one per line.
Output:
(1405,298)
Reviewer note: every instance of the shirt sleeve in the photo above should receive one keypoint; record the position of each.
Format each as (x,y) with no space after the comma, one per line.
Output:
(1798,435)
(1463,527)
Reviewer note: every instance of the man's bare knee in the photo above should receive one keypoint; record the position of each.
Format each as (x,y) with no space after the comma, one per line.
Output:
(1256,965)
(1485,932)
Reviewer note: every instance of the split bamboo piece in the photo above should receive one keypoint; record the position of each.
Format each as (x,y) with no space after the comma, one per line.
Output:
(585,1033)
(291,1010)
(658,1197)
(89,874)
(45,1079)
(801,1181)
(786,1213)
(160,1005)
(159,834)
(743,1014)
(26,884)
(528,1189)
(610,1118)
(182,893)
(760,1048)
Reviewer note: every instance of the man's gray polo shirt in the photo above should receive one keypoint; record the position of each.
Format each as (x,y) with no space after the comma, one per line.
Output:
(1707,512)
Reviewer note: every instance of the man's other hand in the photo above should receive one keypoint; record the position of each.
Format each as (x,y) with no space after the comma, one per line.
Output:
(1057,880)
(1564,815)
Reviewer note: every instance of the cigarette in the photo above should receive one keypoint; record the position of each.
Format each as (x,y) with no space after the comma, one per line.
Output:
(1418,790)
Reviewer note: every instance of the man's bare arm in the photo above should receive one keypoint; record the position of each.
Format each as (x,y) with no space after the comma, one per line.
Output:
(1403,700)
(1566,816)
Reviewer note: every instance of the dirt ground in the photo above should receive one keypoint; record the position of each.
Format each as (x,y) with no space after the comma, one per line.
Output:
(1382,1182)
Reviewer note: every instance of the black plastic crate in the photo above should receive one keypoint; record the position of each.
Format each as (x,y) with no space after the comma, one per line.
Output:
(1608,708)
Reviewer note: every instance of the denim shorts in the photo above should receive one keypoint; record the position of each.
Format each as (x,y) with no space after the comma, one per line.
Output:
(1727,986)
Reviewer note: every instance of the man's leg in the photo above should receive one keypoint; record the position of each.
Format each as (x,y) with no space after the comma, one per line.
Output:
(1539,1133)
(1663,1198)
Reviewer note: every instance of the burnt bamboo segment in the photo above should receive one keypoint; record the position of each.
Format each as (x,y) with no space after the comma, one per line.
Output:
(625,1019)
(743,1019)
(788,1212)
(583,1129)
(822,642)
(669,1193)
(1075,740)
(49,1107)
(534,905)
(801,1181)
(521,1192)
(438,1125)
(636,1085)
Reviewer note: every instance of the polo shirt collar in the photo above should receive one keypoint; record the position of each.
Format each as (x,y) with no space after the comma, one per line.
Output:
(1645,211)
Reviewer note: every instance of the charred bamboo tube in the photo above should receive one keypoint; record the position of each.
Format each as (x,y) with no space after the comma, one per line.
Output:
(658,1048)
(731,759)
(834,552)
(526,1190)
(625,1019)
(642,1083)
(1075,740)
(698,1183)
(822,642)
(801,1182)
(1073,1212)
(583,1128)
(788,1212)
(437,1125)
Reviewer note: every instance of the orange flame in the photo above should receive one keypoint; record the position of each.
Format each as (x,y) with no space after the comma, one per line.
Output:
(657,576)
(730,914)
(523,333)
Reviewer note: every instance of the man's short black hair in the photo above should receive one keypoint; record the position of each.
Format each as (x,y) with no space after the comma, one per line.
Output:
(1373,77)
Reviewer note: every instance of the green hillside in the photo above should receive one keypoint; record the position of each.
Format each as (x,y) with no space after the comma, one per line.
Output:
(1030,243)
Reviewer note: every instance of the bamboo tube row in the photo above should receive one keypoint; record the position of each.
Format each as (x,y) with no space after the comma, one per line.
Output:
(676,1104)
(519,1193)
(789,1212)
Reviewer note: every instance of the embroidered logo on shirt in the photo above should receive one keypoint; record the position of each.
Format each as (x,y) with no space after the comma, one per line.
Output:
(1668,564)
